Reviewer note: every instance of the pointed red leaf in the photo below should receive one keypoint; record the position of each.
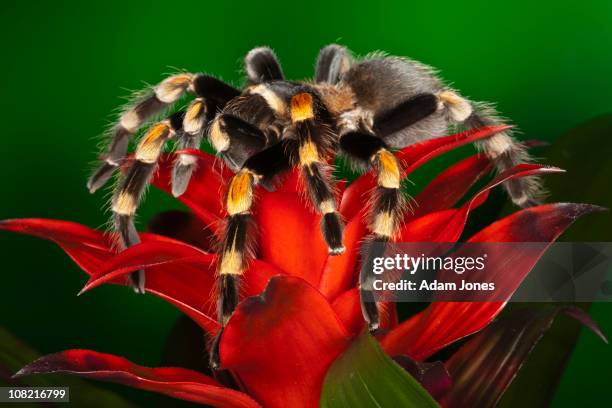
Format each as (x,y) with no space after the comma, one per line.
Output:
(188,287)
(270,341)
(447,225)
(287,226)
(445,322)
(182,275)
(87,247)
(450,185)
(175,382)
(340,271)
(178,273)
(143,256)
(439,226)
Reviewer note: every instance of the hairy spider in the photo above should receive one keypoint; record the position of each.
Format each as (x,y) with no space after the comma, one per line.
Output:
(361,109)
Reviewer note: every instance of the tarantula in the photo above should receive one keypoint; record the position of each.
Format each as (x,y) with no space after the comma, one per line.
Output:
(359,108)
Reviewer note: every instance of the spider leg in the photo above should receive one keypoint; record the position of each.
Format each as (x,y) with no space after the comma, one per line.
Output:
(128,192)
(333,61)
(194,121)
(502,148)
(165,94)
(313,140)
(234,254)
(388,201)
(262,66)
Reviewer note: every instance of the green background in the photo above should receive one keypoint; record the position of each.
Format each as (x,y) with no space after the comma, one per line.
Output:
(65,67)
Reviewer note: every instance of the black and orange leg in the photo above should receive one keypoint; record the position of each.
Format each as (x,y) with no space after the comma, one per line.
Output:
(313,140)
(502,149)
(387,207)
(236,243)
(129,190)
(162,96)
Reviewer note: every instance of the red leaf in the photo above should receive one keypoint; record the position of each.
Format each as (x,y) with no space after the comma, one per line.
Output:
(189,288)
(270,341)
(445,322)
(175,382)
(180,274)
(186,285)
(348,309)
(145,255)
(87,247)
(447,225)
(450,185)
(290,235)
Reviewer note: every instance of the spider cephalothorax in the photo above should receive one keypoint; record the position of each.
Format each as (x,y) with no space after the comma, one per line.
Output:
(361,109)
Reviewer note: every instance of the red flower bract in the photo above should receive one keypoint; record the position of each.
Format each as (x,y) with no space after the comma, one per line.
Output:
(302,306)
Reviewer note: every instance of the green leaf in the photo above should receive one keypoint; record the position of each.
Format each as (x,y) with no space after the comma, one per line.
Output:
(364,376)
(14,355)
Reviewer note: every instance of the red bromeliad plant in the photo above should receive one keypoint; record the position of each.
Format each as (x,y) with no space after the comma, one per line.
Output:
(295,340)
